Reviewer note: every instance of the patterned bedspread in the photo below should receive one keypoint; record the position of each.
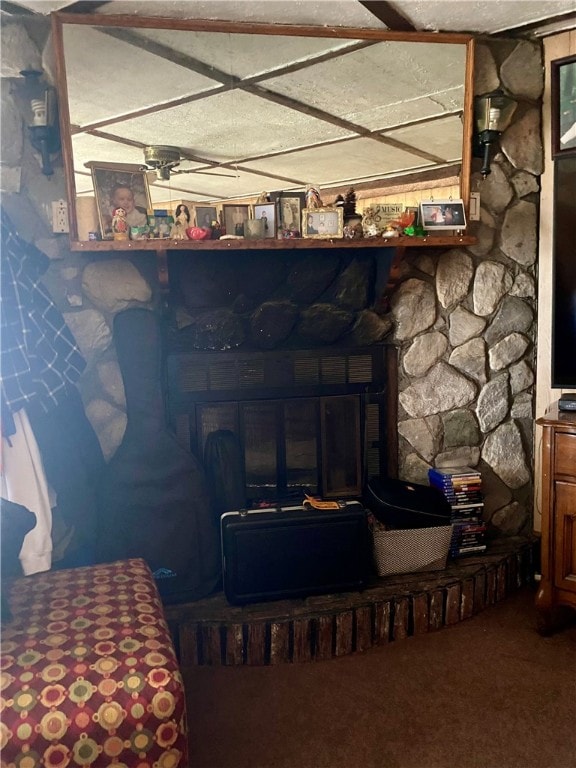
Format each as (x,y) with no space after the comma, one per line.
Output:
(89,676)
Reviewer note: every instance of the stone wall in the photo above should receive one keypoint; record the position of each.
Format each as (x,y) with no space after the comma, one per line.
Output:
(463,319)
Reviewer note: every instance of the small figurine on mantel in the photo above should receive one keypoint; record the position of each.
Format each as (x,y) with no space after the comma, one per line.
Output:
(369,225)
(263,197)
(350,204)
(313,199)
(119,224)
(181,223)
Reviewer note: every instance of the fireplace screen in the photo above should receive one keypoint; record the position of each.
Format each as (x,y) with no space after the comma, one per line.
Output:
(320,427)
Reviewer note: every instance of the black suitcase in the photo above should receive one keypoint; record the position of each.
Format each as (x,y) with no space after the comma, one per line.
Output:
(293,552)
(400,504)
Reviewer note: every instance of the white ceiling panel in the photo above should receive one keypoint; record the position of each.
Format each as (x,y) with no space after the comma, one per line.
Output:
(340,13)
(229,126)
(113,93)
(444,141)
(244,55)
(89,149)
(480,16)
(397,83)
(355,159)
(425,108)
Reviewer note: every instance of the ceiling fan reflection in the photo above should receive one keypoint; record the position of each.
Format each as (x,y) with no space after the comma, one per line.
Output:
(165,159)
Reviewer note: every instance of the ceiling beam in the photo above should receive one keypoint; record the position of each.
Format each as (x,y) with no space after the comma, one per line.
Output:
(388,15)
(85,6)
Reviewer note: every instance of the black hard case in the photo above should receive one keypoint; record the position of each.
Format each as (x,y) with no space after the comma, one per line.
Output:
(293,552)
(400,504)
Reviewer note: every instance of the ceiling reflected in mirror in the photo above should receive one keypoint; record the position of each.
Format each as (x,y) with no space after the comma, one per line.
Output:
(252,112)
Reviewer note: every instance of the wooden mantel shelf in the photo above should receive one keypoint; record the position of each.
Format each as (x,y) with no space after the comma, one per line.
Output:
(431,241)
(161,247)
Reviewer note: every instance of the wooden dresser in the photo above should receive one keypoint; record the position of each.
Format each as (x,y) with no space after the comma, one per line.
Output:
(558,585)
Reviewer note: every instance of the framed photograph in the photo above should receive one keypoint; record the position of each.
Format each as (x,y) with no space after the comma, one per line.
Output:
(289,207)
(563,91)
(322,223)
(443,214)
(234,218)
(120,188)
(267,213)
(205,215)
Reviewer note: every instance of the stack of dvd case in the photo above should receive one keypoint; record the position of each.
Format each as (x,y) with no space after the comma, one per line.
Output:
(462,487)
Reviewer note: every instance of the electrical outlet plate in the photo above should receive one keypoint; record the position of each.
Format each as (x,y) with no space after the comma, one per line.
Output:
(474,206)
(60,216)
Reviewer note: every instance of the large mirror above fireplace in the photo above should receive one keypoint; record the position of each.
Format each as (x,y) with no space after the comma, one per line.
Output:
(255,107)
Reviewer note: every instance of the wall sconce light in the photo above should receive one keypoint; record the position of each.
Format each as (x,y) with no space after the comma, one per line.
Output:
(492,115)
(40,109)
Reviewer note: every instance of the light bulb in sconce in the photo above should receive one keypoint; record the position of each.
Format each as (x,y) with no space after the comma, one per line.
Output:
(40,113)
(39,106)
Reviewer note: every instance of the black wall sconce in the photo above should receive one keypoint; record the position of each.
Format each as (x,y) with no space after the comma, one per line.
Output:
(492,115)
(40,110)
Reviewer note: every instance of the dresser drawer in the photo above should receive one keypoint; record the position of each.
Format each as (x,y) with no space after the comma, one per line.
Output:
(565,455)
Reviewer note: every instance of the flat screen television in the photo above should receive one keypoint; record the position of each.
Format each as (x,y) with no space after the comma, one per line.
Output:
(564,275)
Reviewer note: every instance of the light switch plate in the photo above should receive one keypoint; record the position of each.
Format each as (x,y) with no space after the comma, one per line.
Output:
(474,206)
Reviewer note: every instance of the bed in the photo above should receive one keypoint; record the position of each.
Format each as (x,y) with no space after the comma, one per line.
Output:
(89,675)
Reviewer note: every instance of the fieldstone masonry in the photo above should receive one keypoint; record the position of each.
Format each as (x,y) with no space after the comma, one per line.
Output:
(463,319)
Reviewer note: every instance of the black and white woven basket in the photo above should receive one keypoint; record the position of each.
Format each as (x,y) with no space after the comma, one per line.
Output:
(407,551)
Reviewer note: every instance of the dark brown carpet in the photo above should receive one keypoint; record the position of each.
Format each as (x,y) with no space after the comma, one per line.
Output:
(486,693)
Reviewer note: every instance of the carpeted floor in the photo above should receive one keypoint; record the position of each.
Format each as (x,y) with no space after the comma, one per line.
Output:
(486,693)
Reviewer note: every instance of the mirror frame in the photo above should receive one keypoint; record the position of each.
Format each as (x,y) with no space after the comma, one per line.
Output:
(59,19)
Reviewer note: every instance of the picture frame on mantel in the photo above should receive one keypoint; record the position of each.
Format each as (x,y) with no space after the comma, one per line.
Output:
(322,223)
(563,101)
(443,215)
(112,185)
(289,207)
(205,215)
(267,214)
(235,217)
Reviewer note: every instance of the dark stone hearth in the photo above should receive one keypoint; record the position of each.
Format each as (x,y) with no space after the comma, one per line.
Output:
(205,285)
(266,300)
(212,282)
(324,323)
(352,288)
(216,330)
(311,276)
(369,328)
(259,276)
(272,323)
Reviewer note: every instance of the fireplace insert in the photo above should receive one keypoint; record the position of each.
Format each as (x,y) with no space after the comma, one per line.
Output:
(322,420)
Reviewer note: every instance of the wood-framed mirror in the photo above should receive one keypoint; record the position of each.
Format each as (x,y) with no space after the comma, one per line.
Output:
(258,107)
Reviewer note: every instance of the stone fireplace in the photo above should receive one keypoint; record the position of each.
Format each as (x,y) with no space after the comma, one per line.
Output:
(286,353)
(461,321)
